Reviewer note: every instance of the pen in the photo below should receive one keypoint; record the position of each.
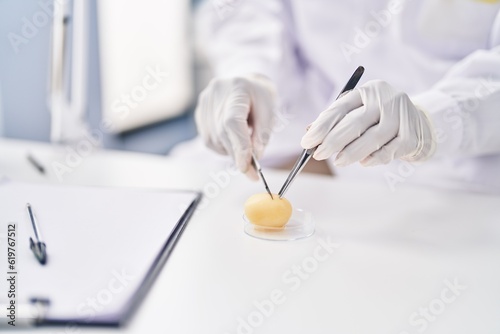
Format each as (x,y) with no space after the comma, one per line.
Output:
(35,163)
(38,247)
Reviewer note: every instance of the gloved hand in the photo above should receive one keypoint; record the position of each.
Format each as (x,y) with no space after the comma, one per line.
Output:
(234,116)
(373,124)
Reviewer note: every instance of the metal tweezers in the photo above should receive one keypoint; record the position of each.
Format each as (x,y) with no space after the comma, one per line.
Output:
(257,167)
(308,153)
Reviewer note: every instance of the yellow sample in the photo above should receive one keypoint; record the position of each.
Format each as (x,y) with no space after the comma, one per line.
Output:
(261,210)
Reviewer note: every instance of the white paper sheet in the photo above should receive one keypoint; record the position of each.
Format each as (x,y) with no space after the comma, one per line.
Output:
(100,244)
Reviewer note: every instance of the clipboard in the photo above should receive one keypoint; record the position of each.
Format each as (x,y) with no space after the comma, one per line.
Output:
(105,248)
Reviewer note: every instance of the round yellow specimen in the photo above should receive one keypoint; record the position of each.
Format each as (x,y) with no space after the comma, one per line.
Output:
(261,210)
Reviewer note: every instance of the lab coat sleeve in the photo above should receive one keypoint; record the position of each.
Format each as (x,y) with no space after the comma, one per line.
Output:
(259,36)
(464,106)
(243,37)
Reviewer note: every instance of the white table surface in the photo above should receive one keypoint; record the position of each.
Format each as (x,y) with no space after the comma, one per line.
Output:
(396,254)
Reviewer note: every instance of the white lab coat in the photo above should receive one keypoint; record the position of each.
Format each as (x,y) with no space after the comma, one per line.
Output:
(445,54)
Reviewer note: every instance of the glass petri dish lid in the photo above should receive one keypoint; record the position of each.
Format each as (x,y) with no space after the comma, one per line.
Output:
(300,226)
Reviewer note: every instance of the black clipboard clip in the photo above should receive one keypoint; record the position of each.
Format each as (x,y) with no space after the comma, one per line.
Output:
(28,314)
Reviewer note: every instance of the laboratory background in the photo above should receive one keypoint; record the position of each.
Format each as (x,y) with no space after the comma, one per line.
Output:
(28,59)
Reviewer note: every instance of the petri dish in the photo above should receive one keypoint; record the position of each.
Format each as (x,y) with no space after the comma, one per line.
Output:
(300,226)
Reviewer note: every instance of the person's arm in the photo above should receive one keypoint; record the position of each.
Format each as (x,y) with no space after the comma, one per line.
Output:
(250,47)
(377,123)
(464,107)
(243,37)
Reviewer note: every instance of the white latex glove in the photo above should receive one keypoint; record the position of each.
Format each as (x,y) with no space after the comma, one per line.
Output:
(373,124)
(234,117)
